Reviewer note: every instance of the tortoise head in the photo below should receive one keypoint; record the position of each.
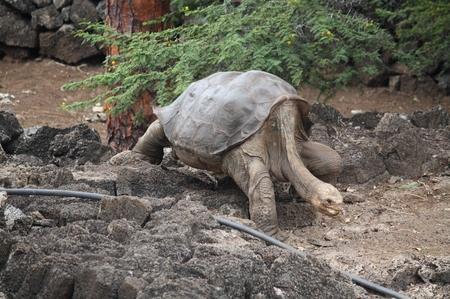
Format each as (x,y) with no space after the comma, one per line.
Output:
(326,199)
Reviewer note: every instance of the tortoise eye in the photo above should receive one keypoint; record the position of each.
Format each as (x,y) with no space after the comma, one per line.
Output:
(329,201)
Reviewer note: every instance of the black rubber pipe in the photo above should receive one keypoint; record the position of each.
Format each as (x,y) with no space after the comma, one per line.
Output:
(270,240)
(238,226)
(52,192)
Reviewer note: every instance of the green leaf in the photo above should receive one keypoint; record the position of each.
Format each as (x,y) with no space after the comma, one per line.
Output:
(413,185)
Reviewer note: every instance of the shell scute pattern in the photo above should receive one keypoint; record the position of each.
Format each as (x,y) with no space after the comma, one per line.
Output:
(222,110)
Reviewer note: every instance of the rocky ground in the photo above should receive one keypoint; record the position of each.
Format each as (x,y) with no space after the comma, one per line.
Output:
(158,237)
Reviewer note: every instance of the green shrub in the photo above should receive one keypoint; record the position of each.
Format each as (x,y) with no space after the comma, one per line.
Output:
(422,31)
(304,42)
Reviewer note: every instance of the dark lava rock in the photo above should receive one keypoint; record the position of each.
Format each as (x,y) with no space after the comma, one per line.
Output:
(435,118)
(403,149)
(182,252)
(444,83)
(23,6)
(362,163)
(63,45)
(16,29)
(325,114)
(9,126)
(48,17)
(64,147)
(368,120)
(83,10)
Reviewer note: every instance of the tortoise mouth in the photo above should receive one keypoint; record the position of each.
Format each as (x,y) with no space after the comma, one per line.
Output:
(329,207)
(331,211)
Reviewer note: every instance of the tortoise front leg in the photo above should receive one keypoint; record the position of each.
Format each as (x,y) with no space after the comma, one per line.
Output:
(152,143)
(252,176)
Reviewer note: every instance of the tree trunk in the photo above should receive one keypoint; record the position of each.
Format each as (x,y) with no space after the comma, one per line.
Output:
(127,17)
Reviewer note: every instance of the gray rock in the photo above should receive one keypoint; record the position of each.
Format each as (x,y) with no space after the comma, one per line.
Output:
(72,212)
(15,29)
(401,68)
(146,179)
(403,149)
(391,124)
(5,246)
(380,79)
(19,176)
(443,185)
(131,287)
(78,146)
(48,17)
(407,269)
(394,83)
(83,10)
(368,120)
(435,118)
(18,53)
(408,83)
(23,6)
(42,3)
(101,9)
(9,126)
(182,252)
(97,179)
(444,83)
(63,45)
(61,3)
(121,230)
(12,218)
(426,87)
(34,141)
(24,160)
(65,13)
(403,271)
(62,210)
(361,164)
(322,133)
(71,146)
(131,208)
(2,154)
(352,198)
(325,114)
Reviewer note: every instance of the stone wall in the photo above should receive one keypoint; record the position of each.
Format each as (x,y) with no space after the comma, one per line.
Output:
(44,27)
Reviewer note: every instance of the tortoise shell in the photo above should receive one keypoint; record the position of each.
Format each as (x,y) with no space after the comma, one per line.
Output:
(221,111)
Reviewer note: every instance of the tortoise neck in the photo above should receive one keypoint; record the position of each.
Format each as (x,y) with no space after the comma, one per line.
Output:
(289,124)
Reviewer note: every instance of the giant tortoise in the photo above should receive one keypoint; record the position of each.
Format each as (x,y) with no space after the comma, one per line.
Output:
(251,126)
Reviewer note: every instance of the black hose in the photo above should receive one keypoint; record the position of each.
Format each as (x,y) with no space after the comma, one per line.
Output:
(52,192)
(258,234)
(270,240)
(238,226)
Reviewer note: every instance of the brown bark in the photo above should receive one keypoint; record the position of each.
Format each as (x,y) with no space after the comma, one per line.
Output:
(127,17)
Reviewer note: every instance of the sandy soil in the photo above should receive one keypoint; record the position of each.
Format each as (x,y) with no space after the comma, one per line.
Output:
(390,220)
(36,87)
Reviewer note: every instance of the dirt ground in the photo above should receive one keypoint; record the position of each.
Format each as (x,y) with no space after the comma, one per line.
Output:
(389,220)
(35,92)
(36,87)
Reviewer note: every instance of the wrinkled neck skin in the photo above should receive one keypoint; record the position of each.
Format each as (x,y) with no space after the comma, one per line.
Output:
(284,133)
(284,155)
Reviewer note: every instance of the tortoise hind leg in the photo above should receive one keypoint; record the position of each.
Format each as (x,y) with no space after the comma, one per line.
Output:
(322,161)
(152,143)
(252,176)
